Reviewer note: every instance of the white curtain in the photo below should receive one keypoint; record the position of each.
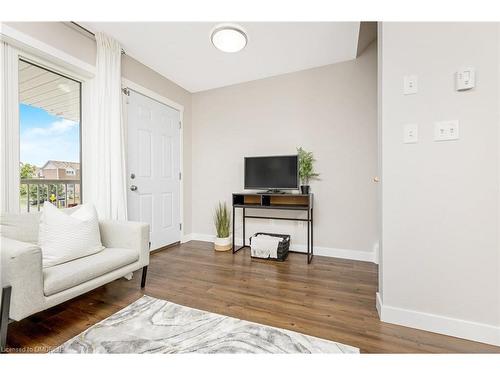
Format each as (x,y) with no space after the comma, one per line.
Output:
(105,146)
(9,129)
(4,197)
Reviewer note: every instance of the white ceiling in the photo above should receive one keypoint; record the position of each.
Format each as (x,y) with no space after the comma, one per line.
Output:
(183,52)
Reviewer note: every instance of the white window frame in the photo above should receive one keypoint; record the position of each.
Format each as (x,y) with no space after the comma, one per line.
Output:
(20,45)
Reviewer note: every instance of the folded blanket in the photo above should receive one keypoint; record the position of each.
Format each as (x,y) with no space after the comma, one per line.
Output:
(264,246)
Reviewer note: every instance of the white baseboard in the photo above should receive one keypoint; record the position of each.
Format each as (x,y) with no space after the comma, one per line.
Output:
(365,256)
(376,252)
(378,305)
(444,325)
(187,238)
(202,237)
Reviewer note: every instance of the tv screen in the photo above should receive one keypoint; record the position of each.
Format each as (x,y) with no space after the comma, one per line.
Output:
(272,172)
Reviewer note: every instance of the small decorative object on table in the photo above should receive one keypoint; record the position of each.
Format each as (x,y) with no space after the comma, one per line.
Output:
(306,169)
(270,246)
(222,223)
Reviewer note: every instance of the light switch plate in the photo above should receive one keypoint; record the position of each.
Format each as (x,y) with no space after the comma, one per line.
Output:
(465,79)
(410,133)
(410,85)
(446,131)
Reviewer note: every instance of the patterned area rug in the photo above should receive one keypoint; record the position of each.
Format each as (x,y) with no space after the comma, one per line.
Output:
(151,325)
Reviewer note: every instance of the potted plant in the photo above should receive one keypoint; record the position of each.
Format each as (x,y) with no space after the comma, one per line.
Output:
(306,169)
(222,222)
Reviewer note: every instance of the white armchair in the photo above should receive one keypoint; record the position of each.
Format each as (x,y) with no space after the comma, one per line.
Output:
(29,288)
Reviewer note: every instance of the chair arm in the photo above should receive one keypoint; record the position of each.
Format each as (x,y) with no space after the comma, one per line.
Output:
(21,268)
(128,235)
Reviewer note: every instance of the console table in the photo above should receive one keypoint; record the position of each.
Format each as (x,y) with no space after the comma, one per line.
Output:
(295,202)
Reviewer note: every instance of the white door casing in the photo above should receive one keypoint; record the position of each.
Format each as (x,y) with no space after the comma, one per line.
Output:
(153,158)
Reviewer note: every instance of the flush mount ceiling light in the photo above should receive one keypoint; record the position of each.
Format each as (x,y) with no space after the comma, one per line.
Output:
(229,38)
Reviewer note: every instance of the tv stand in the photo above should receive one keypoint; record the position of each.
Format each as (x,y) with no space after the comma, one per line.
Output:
(276,201)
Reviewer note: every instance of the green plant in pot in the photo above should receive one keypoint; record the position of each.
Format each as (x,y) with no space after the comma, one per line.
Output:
(222,222)
(306,169)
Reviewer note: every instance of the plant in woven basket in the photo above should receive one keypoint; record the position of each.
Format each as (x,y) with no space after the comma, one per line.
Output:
(222,222)
(306,168)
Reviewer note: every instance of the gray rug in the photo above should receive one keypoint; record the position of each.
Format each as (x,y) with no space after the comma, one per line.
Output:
(151,325)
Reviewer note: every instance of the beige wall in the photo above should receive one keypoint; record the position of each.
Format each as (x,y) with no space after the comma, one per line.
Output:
(65,38)
(60,36)
(440,199)
(330,110)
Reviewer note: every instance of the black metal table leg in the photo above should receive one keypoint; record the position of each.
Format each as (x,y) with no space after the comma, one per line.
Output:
(312,237)
(4,317)
(244,226)
(308,235)
(234,234)
(234,217)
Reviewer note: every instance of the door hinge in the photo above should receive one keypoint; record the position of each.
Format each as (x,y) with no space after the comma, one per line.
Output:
(180,226)
(126,91)
(180,124)
(180,176)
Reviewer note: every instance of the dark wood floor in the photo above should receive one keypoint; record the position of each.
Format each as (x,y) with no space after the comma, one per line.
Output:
(332,298)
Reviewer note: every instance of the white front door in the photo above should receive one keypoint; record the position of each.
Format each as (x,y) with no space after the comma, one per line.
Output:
(153,163)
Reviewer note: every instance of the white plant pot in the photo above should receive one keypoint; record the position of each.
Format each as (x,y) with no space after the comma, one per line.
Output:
(222,244)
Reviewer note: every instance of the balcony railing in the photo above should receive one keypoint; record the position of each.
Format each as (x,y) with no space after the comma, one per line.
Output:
(62,193)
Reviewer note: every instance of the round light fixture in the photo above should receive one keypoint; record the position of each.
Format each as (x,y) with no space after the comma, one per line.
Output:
(229,38)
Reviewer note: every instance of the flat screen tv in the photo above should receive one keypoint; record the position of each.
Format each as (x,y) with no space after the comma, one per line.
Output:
(272,172)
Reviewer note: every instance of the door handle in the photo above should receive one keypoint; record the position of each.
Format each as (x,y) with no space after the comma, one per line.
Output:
(133,187)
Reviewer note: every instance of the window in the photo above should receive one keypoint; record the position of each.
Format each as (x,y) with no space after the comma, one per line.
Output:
(50,138)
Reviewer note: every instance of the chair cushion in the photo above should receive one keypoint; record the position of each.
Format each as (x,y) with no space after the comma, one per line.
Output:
(73,273)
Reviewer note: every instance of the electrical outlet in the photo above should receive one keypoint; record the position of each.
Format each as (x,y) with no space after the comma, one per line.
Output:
(446,131)
(410,85)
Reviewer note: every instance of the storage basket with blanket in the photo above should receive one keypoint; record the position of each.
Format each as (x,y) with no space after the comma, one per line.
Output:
(270,246)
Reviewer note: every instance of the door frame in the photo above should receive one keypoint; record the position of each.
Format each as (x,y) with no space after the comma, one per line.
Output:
(126,83)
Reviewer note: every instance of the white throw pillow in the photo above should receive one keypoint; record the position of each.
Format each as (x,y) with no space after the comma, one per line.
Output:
(64,237)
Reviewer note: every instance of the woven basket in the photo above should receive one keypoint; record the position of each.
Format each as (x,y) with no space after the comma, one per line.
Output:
(223,244)
(283,246)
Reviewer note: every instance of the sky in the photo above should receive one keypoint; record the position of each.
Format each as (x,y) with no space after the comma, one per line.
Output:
(46,137)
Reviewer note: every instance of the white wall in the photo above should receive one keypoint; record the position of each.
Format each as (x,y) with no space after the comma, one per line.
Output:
(440,252)
(331,111)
